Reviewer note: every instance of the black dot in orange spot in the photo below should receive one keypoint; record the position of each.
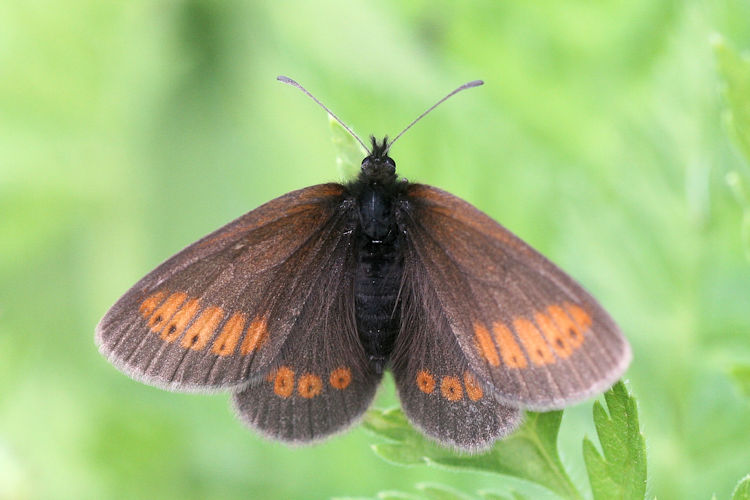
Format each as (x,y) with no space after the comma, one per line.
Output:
(172,329)
(425,382)
(473,389)
(283,383)
(573,334)
(157,319)
(309,385)
(559,342)
(341,378)
(450,388)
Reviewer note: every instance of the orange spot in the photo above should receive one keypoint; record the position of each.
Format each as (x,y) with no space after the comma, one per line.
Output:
(572,329)
(341,378)
(179,321)
(202,329)
(555,337)
(283,383)
(425,382)
(537,349)
(485,344)
(227,340)
(473,389)
(582,319)
(255,336)
(164,312)
(149,305)
(509,349)
(309,385)
(450,388)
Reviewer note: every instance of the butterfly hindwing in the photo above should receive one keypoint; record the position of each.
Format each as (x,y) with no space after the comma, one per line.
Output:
(321,381)
(527,330)
(217,313)
(439,392)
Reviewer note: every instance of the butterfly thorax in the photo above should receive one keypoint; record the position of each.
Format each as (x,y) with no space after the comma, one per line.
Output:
(379,256)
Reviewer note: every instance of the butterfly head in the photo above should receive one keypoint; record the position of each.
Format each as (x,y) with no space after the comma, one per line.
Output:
(378,166)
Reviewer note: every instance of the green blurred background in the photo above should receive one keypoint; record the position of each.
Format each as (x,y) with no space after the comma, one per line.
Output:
(129,129)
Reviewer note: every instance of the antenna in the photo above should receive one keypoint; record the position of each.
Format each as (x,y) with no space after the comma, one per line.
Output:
(468,85)
(286,79)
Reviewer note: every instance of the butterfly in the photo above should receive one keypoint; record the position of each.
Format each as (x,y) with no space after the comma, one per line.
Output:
(299,307)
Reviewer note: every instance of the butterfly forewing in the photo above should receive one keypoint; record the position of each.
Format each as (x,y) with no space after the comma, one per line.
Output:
(527,330)
(321,381)
(217,313)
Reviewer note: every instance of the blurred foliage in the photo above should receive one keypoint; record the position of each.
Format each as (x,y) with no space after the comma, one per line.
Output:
(742,491)
(130,129)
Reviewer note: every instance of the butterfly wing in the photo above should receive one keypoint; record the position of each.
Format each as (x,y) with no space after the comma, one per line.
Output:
(529,332)
(217,313)
(321,382)
(439,392)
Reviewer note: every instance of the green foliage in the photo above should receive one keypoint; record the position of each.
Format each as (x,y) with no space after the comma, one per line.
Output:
(742,491)
(349,152)
(735,70)
(531,452)
(621,472)
(741,375)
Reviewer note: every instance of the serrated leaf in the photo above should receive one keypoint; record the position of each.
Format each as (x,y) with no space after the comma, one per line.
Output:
(530,453)
(741,376)
(742,490)
(621,472)
(735,70)
(434,491)
(349,152)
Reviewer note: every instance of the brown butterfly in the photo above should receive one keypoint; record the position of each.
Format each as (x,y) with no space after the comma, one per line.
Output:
(299,306)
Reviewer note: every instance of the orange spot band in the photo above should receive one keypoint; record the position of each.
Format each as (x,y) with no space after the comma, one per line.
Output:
(485,344)
(535,345)
(256,335)
(226,342)
(509,349)
(174,328)
(202,329)
(165,311)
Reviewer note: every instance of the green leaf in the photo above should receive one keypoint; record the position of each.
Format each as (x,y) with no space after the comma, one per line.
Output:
(741,376)
(398,495)
(740,192)
(489,495)
(530,453)
(742,491)
(735,70)
(621,472)
(433,491)
(349,152)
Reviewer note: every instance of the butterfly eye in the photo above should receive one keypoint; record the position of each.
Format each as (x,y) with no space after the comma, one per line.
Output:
(390,161)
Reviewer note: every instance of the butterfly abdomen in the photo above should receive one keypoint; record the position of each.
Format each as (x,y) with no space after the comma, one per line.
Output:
(378,274)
